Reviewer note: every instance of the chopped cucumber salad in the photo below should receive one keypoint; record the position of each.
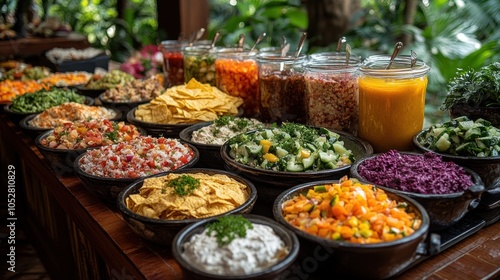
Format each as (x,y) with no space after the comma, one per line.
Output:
(463,137)
(290,147)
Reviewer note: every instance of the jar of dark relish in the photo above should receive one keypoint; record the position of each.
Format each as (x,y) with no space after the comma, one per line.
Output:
(282,88)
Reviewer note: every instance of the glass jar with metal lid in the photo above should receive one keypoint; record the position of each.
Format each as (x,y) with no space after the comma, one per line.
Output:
(282,88)
(332,93)
(391,101)
(237,74)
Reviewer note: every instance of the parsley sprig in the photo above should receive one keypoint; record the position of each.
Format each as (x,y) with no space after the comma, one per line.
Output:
(184,184)
(229,228)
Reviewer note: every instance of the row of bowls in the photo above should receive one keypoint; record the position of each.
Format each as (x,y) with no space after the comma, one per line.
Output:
(278,186)
(444,209)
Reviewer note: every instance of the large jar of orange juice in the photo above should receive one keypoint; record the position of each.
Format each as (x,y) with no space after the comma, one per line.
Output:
(391,102)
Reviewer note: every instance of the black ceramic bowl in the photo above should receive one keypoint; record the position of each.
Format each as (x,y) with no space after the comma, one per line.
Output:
(94,93)
(444,209)
(61,160)
(163,231)
(35,131)
(157,129)
(272,183)
(348,260)
(488,168)
(124,107)
(274,272)
(107,188)
(18,116)
(209,153)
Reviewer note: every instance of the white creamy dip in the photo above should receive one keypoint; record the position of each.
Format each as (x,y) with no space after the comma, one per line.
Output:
(260,249)
(217,134)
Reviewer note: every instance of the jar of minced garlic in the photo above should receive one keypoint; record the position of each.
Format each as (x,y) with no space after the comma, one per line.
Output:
(199,63)
(332,92)
(237,74)
(282,88)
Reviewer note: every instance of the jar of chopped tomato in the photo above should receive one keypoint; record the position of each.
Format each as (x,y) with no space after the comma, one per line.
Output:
(391,101)
(282,88)
(173,62)
(237,74)
(199,63)
(332,93)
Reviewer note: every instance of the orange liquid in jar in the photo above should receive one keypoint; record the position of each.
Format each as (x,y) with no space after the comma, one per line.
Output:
(391,111)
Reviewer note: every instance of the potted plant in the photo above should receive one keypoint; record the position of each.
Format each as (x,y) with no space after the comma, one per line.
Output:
(475,94)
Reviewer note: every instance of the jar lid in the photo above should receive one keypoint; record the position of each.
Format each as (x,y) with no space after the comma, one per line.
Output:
(276,57)
(335,56)
(376,65)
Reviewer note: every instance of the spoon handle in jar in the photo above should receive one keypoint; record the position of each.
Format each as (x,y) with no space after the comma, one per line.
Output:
(398,47)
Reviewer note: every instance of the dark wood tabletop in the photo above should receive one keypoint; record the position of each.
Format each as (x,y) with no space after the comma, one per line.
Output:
(126,256)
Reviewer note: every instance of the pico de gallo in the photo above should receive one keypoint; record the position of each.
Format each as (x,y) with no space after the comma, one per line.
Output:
(142,156)
(89,133)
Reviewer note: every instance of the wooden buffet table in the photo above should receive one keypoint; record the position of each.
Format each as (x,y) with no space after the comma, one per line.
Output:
(80,237)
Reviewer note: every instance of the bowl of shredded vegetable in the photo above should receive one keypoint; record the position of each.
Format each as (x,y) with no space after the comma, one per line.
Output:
(474,144)
(445,189)
(354,229)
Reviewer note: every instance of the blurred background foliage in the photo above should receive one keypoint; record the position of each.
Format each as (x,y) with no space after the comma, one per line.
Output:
(447,34)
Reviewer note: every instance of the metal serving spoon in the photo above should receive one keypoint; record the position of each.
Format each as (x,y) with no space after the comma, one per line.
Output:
(261,37)
(301,44)
(398,47)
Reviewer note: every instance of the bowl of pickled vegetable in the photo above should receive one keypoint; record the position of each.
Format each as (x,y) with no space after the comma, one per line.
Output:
(472,144)
(445,189)
(353,229)
(284,155)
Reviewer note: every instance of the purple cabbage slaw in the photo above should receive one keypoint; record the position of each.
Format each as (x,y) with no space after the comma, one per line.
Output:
(424,173)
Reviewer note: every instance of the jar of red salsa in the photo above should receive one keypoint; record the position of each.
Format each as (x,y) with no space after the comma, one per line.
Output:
(237,74)
(282,88)
(173,62)
(332,93)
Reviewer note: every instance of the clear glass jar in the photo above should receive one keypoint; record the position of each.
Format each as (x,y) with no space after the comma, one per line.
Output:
(391,102)
(332,94)
(282,88)
(237,74)
(335,57)
(199,63)
(173,62)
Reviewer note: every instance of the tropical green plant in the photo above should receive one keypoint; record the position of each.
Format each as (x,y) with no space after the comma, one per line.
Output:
(98,19)
(276,18)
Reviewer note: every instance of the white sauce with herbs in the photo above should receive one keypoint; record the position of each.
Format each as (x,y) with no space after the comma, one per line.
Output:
(217,134)
(260,249)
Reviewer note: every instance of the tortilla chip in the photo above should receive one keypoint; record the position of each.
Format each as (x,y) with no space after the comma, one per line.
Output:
(189,103)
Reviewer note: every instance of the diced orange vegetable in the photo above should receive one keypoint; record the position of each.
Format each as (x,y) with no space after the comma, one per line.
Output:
(353,217)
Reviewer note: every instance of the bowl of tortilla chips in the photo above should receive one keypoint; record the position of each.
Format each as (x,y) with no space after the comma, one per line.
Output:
(181,106)
(157,207)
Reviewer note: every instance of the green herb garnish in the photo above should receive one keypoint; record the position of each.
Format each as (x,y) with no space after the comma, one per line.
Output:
(112,135)
(479,88)
(229,228)
(223,120)
(184,184)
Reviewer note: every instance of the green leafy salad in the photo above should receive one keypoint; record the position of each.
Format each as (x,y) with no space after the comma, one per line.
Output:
(290,147)
(475,88)
(44,99)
